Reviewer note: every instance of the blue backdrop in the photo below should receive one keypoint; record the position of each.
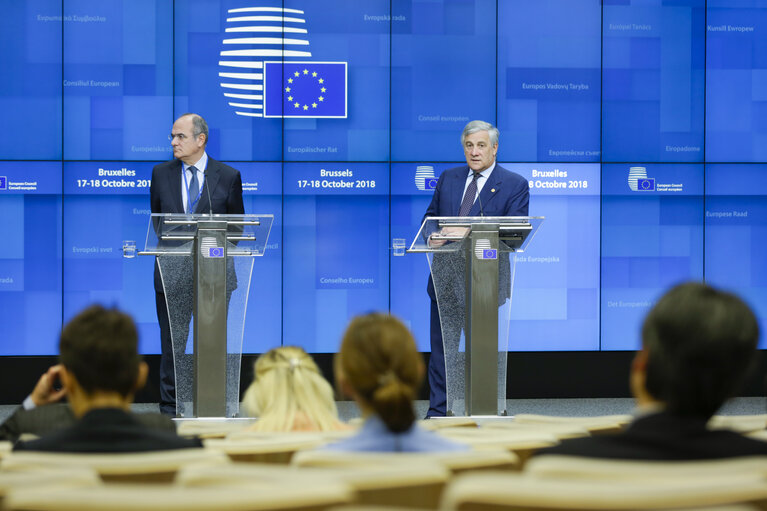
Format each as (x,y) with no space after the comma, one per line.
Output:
(641,126)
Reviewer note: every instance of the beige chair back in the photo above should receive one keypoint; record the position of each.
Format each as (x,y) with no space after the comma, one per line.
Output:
(145,467)
(595,469)
(417,484)
(455,462)
(596,425)
(231,497)
(271,448)
(494,491)
(739,423)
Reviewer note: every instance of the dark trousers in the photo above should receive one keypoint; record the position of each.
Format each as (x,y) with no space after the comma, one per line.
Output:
(437,388)
(167,365)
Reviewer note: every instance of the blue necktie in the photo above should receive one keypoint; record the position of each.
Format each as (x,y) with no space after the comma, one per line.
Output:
(194,190)
(469,196)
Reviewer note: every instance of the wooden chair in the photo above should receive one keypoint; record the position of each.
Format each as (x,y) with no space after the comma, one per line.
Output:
(739,423)
(595,425)
(499,491)
(67,477)
(595,469)
(210,428)
(145,467)
(561,431)
(447,422)
(455,462)
(267,449)
(523,443)
(230,497)
(418,484)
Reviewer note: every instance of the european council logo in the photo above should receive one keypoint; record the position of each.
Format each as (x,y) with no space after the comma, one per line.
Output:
(638,180)
(482,250)
(424,178)
(258,67)
(3,183)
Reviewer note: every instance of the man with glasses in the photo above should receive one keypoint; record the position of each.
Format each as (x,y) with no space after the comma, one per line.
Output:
(178,186)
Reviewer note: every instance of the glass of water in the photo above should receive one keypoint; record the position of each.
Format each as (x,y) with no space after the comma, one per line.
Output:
(129,249)
(398,246)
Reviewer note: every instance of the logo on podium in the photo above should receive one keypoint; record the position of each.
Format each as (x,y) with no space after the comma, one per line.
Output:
(483,251)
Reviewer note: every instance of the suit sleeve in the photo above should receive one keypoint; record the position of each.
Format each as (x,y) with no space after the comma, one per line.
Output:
(234,204)
(519,201)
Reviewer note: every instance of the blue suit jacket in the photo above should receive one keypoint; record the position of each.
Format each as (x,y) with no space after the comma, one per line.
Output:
(223,182)
(504,194)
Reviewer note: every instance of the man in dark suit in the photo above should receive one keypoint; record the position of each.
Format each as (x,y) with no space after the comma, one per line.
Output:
(698,344)
(42,412)
(191,183)
(479,188)
(101,371)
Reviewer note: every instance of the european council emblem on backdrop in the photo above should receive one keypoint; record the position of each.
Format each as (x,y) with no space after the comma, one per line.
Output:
(638,180)
(267,75)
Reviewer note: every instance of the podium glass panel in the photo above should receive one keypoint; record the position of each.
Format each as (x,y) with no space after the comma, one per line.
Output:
(205,263)
(465,299)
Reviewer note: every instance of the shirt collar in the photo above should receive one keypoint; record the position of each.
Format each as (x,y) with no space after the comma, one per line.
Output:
(201,164)
(485,173)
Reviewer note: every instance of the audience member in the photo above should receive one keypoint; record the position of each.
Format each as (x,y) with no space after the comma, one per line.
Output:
(289,393)
(101,370)
(43,412)
(380,368)
(697,346)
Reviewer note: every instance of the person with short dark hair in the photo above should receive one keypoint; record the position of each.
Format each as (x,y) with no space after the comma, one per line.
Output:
(101,371)
(697,346)
(380,368)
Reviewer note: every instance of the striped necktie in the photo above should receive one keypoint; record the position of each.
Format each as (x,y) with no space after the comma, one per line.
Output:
(469,196)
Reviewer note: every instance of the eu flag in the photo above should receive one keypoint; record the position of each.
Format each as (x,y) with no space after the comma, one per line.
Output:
(305,89)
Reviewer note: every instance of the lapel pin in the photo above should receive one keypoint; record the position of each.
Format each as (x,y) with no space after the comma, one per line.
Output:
(492,190)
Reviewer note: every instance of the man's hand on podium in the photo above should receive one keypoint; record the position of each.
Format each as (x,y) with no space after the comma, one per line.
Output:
(447,234)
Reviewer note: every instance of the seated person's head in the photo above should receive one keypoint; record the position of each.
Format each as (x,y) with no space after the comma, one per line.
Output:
(98,350)
(289,393)
(697,346)
(379,366)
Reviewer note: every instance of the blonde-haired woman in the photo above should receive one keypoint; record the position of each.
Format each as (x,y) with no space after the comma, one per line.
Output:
(380,368)
(289,393)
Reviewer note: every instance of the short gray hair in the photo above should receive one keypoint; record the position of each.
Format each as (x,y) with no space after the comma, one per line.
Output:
(475,126)
(198,125)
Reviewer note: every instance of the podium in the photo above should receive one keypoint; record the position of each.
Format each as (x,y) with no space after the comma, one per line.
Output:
(473,276)
(206,262)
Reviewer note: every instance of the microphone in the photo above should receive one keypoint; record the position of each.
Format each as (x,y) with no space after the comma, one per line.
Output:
(479,199)
(207,189)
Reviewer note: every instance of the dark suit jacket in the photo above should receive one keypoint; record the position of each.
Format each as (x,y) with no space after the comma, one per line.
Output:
(662,436)
(44,419)
(504,194)
(223,182)
(107,430)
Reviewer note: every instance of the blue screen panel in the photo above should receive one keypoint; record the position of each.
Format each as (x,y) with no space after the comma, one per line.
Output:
(443,75)
(30,89)
(736,81)
(736,230)
(336,261)
(410,196)
(355,33)
(117,80)
(652,238)
(549,80)
(262,190)
(30,257)
(555,305)
(106,203)
(653,81)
